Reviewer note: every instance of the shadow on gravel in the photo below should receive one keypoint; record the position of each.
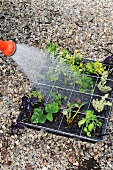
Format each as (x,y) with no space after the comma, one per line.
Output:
(90,164)
(75,164)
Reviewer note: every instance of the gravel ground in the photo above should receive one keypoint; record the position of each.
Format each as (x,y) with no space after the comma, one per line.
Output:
(85,25)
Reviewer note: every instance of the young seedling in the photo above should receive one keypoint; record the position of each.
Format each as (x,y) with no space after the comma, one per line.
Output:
(85,83)
(38,116)
(50,109)
(37,94)
(94,67)
(100,104)
(98,68)
(90,122)
(78,58)
(54,72)
(57,98)
(27,104)
(54,106)
(74,61)
(102,84)
(41,115)
(63,52)
(68,112)
(51,48)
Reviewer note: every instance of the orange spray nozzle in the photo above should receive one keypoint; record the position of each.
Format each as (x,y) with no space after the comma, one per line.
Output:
(7,47)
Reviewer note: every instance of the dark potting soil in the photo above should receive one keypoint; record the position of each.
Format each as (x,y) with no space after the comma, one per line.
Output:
(73,127)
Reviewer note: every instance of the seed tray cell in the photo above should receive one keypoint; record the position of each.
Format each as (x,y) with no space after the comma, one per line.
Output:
(73,127)
(65,82)
(111,75)
(97,134)
(55,124)
(106,111)
(44,77)
(67,87)
(108,83)
(83,97)
(44,89)
(77,87)
(63,92)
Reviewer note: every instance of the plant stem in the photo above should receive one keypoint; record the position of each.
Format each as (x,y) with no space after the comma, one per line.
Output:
(76,113)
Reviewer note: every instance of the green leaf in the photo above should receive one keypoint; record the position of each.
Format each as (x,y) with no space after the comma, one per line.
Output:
(91,127)
(52,108)
(85,129)
(51,94)
(87,122)
(89,134)
(88,113)
(83,103)
(38,111)
(64,52)
(65,97)
(42,119)
(51,47)
(75,105)
(81,122)
(65,112)
(50,117)
(36,116)
(94,117)
(34,119)
(36,94)
(99,124)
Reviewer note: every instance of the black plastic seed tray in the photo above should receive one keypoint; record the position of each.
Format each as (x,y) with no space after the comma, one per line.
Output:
(69,89)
